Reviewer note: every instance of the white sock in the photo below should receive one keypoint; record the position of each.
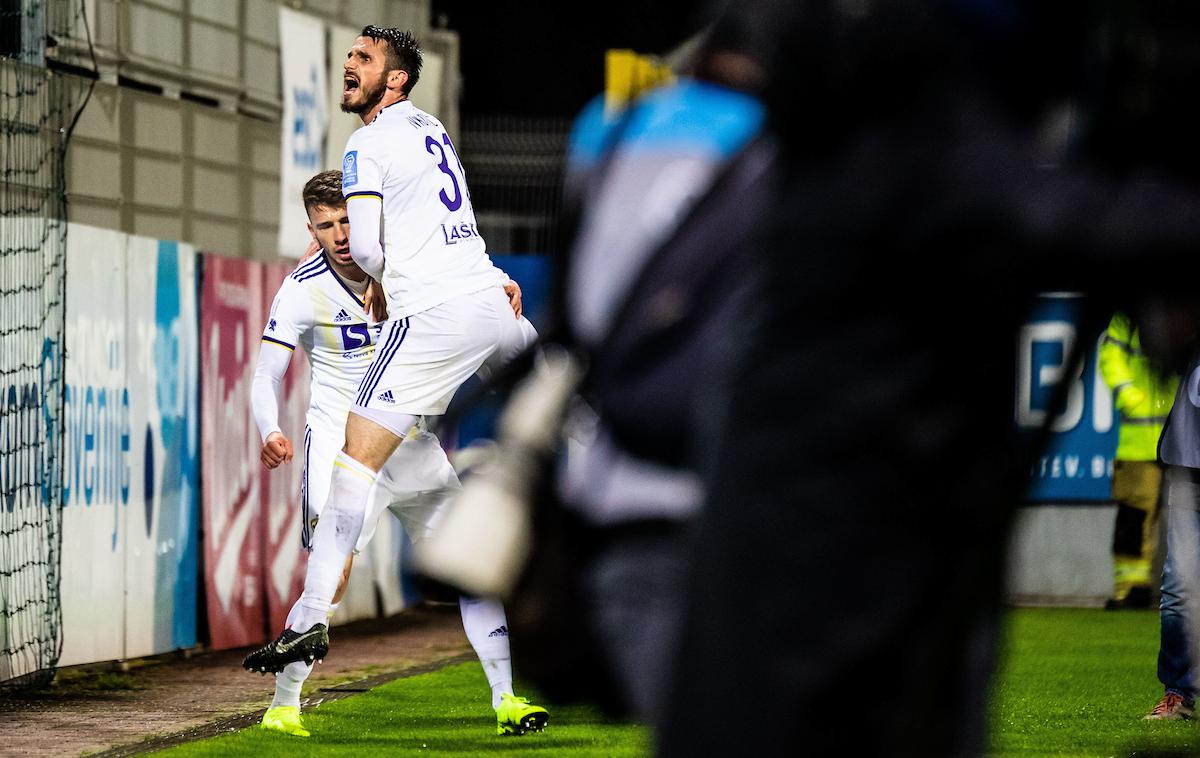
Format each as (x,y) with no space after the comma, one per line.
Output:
(337,532)
(290,681)
(487,629)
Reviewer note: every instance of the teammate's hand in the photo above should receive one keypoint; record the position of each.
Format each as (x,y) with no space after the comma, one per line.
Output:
(276,450)
(374,301)
(513,290)
(312,249)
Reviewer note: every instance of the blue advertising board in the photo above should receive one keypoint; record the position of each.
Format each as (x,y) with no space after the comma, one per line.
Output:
(171,486)
(532,272)
(1076,464)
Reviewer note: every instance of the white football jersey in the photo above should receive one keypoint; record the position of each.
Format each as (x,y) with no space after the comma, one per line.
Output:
(431,245)
(317,311)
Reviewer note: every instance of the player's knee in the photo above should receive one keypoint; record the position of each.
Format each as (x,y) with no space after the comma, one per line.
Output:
(365,454)
(372,437)
(356,452)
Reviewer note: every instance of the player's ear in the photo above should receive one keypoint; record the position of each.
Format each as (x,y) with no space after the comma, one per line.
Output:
(313,233)
(397,78)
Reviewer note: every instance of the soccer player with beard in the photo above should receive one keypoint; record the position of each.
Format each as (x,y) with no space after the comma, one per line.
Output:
(413,229)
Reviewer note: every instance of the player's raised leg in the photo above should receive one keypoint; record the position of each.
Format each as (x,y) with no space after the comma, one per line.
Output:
(368,446)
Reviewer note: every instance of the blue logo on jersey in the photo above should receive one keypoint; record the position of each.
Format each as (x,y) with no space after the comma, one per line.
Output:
(454,233)
(355,336)
(271,325)
(350,169)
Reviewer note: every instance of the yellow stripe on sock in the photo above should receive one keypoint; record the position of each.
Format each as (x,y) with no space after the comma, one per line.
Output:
(354,471)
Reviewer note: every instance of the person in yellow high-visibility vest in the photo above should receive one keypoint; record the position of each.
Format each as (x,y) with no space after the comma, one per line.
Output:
(1144,399)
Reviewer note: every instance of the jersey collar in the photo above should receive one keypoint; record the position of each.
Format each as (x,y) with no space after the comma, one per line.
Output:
(405,101)
(338,277)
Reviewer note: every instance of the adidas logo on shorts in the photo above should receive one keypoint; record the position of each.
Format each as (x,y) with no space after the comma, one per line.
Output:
(387,397)
(500,631)
(341,316)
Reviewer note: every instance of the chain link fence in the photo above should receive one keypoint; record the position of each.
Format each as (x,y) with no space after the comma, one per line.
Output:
(514,169)
(39,104)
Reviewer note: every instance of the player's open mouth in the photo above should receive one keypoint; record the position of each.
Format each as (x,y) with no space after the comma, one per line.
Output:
(349,85)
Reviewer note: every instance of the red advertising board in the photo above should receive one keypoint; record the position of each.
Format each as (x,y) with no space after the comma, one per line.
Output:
(231,314)
(253,568)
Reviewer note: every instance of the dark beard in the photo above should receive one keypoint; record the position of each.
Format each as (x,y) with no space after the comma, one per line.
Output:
(372,99)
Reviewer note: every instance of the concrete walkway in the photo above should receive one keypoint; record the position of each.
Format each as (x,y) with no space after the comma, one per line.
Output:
(94,710)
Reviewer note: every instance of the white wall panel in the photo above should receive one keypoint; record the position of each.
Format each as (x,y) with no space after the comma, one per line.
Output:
(97,448)
(1062,555)
(155,34)
(157,124)
(214,51)
(219,188)
(215,136)
(157,182)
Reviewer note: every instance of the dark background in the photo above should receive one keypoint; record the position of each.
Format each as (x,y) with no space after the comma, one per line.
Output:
(544,58)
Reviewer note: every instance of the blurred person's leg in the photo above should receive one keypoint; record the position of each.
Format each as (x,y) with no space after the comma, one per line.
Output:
(842,576)
(630,537)
(634,587)
(1174,661)
(768,621)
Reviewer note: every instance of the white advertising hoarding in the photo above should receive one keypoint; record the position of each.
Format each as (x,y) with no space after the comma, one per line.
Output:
(305,121)
(130,505)
(97,449)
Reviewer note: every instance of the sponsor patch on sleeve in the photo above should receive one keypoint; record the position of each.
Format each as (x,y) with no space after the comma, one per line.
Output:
(350,169)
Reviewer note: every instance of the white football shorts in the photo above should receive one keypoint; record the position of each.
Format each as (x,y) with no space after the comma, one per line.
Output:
(415,484)
(424,358)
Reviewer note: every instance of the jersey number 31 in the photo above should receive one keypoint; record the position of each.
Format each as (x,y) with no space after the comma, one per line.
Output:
(431,144)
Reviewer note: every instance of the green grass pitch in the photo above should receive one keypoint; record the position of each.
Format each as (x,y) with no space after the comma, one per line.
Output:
(1078,682)
(1071,682)
(447,711)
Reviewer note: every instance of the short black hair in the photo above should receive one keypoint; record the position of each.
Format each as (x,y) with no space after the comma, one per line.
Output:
(324,189)
(404,52)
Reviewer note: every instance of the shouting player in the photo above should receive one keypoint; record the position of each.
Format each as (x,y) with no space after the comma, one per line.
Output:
(412,228)
(320,307)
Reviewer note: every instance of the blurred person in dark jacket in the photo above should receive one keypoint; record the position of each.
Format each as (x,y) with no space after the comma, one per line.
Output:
(648,290)
(847,578)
